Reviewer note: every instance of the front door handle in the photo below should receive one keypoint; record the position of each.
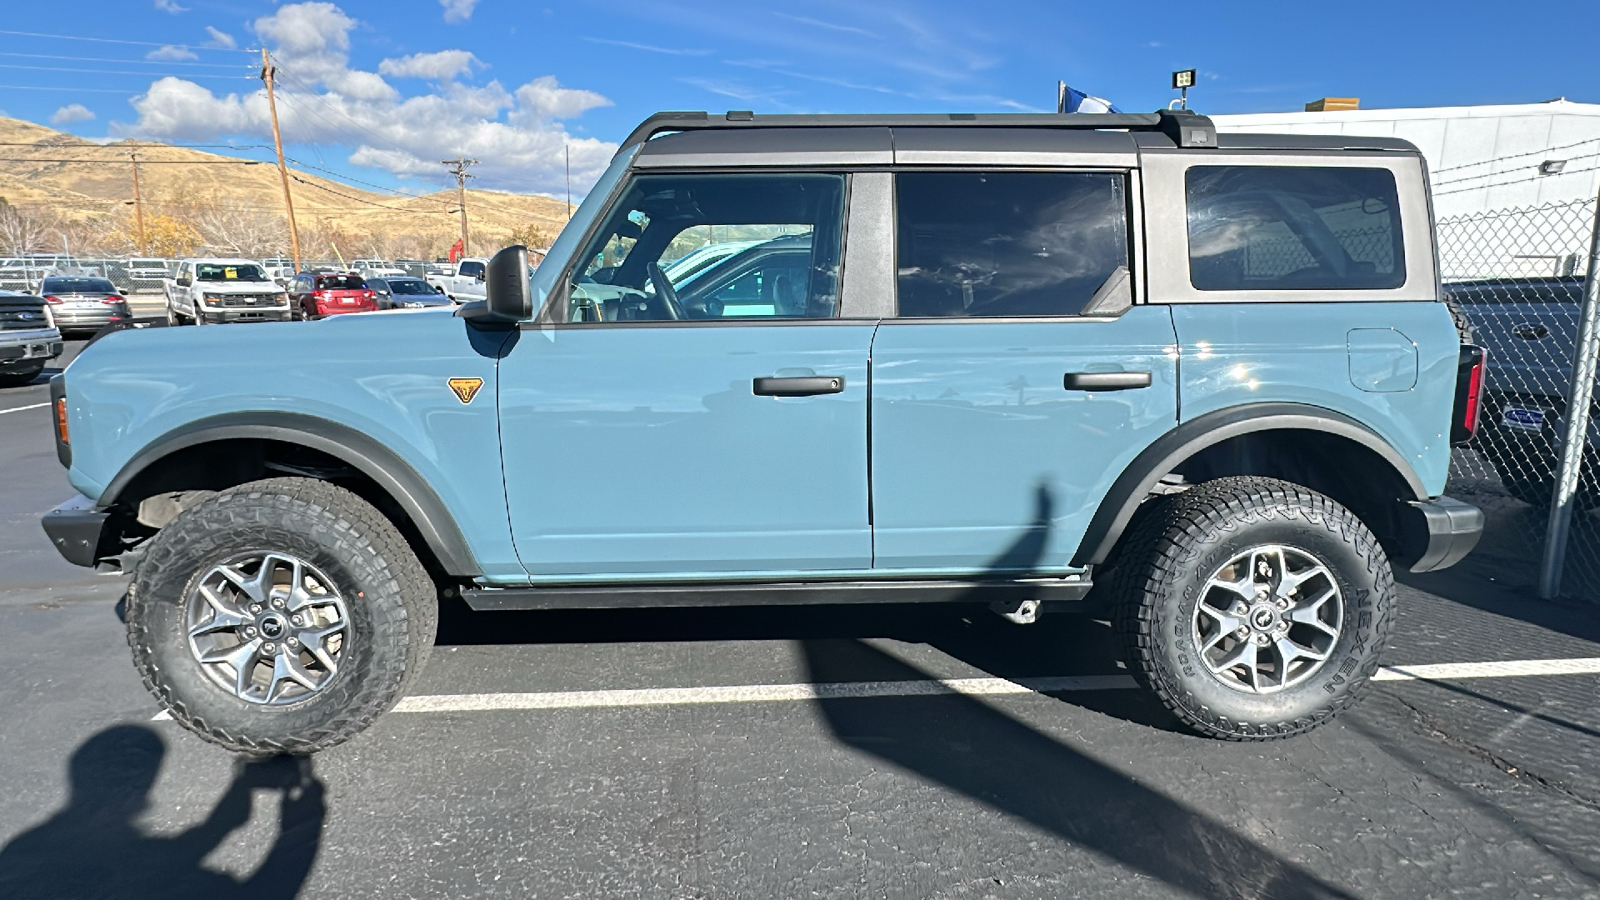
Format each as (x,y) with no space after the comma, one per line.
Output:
(1105,381)
(801,386)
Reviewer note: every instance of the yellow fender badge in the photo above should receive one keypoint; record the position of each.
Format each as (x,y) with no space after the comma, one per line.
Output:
(465,388)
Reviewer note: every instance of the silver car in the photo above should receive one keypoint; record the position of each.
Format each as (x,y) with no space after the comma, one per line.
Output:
(83,303)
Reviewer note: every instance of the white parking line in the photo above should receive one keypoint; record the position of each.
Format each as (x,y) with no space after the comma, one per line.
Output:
(21,408)
(972,687)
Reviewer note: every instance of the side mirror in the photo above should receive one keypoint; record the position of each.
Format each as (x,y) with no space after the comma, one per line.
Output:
(481,276)
(122,291)
(507,297)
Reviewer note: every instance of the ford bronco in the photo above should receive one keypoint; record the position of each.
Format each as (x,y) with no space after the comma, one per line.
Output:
(1110,361)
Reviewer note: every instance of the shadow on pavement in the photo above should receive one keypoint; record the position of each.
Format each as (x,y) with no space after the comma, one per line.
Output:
(970,747)
(95,848)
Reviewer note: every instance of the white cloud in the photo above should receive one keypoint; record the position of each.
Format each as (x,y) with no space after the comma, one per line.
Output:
(220,38)
(170,6)
(171,51)
(458,10)
(444,65)
(72,112)
(517,133)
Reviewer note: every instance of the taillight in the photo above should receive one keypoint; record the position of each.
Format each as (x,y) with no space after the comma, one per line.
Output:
(369,295)
(1469,393)
(61,420)
(55,300)
(111,301)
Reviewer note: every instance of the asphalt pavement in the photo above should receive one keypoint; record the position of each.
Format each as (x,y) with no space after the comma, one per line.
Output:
(803,752)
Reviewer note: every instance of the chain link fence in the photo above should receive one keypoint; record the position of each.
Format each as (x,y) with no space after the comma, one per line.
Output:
(1515,280)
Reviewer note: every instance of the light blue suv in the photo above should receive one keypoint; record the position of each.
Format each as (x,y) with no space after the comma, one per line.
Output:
(1091,361)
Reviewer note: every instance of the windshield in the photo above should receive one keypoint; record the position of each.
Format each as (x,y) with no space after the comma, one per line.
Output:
(410,286)
(228,272)
(77,286)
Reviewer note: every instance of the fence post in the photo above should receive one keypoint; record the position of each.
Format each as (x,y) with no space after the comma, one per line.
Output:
(1575,436)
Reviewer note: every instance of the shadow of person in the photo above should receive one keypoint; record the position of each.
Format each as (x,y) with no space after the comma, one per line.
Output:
(94,848)
(972,748)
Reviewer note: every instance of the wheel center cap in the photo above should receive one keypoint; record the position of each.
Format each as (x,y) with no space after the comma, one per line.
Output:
(272,626)
(1262,618)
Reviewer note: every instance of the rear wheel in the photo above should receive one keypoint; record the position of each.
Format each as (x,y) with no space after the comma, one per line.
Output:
(20,377)
(281,616)
(1253,608)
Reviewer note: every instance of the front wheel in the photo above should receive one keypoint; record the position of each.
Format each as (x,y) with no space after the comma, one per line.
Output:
(1253,608)
(20,378)
(280,616)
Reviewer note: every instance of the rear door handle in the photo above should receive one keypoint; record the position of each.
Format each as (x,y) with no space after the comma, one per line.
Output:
(1105,381)
(801,386)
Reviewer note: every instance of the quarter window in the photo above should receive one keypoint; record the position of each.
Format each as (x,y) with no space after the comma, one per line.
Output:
(1007,243)
(1254,228)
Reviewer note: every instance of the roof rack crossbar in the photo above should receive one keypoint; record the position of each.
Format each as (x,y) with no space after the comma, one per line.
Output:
(1187,129)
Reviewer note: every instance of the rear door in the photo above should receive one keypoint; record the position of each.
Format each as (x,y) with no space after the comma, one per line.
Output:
(1016,381)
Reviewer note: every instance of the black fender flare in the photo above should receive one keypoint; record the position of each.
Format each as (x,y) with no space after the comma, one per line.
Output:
(360,451)
(1173,448)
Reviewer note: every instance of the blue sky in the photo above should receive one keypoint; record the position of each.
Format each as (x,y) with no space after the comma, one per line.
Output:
(378,92)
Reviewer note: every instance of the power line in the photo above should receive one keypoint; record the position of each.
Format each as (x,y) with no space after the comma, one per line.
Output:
(377,187)
(116,71)
(153,162)
(142,62)
(75,90)
(427,212)
(121,146)
(79,37)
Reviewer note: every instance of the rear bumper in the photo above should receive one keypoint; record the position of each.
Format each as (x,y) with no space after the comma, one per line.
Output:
(1438,533)
(77,530)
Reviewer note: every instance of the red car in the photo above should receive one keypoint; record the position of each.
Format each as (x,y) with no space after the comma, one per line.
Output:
(314,295)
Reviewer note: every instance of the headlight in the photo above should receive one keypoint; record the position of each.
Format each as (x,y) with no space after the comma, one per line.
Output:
(212,298)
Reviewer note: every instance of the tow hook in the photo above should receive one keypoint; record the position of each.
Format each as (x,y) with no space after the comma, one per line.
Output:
(1017,612)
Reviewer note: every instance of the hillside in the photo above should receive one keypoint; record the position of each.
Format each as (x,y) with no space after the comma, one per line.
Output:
(191,185)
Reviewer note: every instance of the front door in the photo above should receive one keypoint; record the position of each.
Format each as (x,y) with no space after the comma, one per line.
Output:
(656,434)
(1018,380)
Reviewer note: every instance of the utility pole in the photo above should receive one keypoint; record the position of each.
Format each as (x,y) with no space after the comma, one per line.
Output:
(459,170)
(138,201)
(269,75)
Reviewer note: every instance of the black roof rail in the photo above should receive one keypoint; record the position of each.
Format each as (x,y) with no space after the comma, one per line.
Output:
(1187,129)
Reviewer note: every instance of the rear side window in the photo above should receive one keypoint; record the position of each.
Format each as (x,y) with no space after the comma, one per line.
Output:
(1272,228)
(983,244)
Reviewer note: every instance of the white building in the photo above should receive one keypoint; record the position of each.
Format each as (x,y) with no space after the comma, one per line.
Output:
(1480,158)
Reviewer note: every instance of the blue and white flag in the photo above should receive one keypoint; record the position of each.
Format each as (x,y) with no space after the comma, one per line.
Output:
(1072,100)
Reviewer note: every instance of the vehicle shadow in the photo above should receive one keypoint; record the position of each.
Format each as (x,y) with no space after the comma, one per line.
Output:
(94,847)
(975,749)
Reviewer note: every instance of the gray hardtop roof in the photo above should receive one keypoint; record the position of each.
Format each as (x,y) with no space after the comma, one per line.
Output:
(883,139)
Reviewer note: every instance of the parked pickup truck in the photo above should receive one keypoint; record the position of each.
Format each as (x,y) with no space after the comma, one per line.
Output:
(209,291)
(28,337)
(465,282)
(1203,383)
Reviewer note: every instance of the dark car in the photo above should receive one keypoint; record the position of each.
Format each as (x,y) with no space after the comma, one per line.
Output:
(314,295)
(83,304)
(406,293)
(1529,328)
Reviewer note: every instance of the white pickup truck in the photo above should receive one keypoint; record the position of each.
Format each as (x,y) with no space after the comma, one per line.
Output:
(207,291)
(465,283)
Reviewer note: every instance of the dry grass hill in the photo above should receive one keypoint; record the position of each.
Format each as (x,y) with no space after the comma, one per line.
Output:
(189,184)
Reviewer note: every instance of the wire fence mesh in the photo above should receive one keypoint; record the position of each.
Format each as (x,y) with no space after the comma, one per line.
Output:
(1515,278)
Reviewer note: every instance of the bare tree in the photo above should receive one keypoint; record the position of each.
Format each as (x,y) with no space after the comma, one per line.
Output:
(22,231)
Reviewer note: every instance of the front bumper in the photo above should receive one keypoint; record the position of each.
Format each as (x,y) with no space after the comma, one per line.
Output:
(19,349)
(77,529)
(1440,532)
(233,314)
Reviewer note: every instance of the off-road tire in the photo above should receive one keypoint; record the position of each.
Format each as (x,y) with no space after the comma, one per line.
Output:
(1176,545)
(392,607)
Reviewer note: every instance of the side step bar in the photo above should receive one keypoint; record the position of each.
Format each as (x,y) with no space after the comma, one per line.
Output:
(1056,591)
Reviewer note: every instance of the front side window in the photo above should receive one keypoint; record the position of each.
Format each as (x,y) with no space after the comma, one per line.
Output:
(1254,228)
(721,246)
(986,244)
(472,269)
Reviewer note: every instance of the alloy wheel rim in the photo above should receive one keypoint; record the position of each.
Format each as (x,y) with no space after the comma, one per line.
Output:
(267,627)
(1268,619)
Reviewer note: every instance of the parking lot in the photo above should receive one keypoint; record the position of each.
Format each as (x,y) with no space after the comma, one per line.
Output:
(916,751)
